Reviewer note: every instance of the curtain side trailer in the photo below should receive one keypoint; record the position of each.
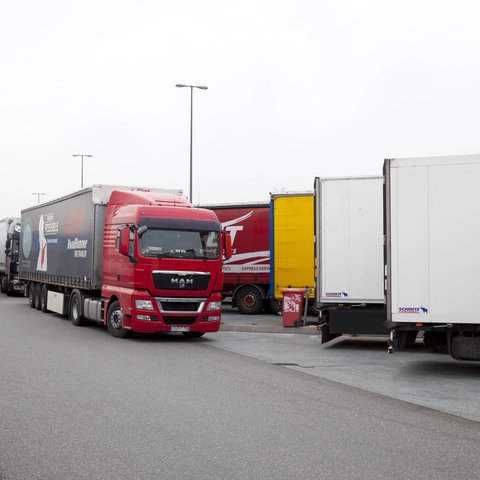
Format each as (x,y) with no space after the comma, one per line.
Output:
(292,246)
(134,259)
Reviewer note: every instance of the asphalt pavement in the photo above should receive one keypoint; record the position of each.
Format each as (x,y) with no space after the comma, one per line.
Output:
(266,322)
(415,375)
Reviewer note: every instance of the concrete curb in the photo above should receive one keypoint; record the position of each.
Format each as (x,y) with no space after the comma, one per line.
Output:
(242,327)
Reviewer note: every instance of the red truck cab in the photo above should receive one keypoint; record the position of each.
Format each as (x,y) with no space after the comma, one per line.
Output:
(133,259)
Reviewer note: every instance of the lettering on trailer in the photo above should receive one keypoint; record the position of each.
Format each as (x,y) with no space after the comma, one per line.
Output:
(416,310)
(232,265)
(336,294)
(232,228)
(74,244)
(50,226)
(79,247)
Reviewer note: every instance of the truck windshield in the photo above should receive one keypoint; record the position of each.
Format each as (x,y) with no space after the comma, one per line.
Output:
(165,243)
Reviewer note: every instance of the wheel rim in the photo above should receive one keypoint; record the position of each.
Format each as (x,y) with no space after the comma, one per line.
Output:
(116,319)
(249,301)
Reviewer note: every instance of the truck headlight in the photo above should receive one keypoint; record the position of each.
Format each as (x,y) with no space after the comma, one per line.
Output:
(214,306)
(143,305)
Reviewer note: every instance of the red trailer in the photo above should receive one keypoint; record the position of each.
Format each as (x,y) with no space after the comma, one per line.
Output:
(247,272)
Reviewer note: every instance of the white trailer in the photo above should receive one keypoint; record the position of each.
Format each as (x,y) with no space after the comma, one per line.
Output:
(432,228)
(349,287)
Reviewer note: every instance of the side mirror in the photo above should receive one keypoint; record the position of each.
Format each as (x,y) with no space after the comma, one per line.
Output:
(227,245)
(141,230)
(124,247)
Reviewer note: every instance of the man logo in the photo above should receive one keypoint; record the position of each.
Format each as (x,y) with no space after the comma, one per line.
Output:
(181,282)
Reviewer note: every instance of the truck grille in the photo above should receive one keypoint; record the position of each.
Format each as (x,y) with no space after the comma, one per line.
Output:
(180,305)
(166,280)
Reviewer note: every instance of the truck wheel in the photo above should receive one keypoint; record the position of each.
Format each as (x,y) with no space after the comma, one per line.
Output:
(249,300)
(114,321)
(38,296)
(43,298)
(31,295)
(276,305)
(465,348)
(75,314)
(3,284)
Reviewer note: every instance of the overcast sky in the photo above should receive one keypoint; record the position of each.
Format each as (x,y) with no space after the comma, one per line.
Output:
(296,89)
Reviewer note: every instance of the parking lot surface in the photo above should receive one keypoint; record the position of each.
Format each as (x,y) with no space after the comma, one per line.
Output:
(415,375)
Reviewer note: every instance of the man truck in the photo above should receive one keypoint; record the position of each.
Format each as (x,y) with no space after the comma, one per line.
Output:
(432,232)
(133,259)
(9,246)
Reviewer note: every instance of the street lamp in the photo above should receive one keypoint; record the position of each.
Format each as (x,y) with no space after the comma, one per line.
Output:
(81,155)
(191,87)
(38,195)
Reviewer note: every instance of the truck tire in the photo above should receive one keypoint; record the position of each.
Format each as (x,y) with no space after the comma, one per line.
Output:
(114,321)
(75,311)
(38,296)
(249,300)
(31,294)
(275,305)
(465,348)
(43,298)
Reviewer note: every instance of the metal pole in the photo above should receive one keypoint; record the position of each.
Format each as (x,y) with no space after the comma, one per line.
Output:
(191,145)
(81,155)
(38,195)
(191,87)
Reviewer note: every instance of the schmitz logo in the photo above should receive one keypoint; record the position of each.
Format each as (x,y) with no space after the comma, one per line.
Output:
(417,310)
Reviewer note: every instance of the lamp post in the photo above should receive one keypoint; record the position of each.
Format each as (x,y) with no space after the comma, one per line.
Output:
(191,87)
(81,155)
(38,195)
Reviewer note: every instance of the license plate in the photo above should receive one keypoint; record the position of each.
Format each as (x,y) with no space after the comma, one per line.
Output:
(179,329)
